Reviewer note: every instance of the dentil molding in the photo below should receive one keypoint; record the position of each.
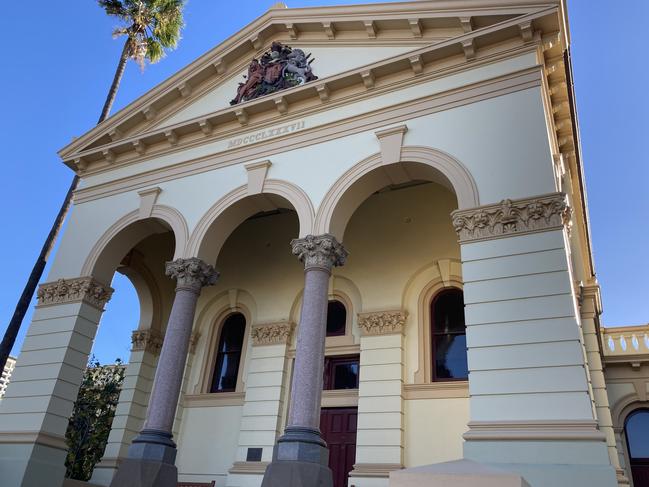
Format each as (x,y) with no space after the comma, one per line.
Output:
(512,217)
(382,322)
(272,333)
(84,289)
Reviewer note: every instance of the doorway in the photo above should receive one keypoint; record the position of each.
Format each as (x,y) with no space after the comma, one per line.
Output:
(637,437)
(338,426)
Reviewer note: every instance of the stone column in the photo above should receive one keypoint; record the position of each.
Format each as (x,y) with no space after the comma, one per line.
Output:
(300,458)
(131,409)
(379,440)
(35,411)
(590,310)
(152,455)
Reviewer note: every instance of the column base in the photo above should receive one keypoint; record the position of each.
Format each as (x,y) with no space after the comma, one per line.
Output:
(300,459)
(150,462)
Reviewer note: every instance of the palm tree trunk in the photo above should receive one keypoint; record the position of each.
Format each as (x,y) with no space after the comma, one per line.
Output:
(37,271)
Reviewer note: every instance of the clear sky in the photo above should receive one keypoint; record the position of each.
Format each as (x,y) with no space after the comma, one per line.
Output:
(58,59)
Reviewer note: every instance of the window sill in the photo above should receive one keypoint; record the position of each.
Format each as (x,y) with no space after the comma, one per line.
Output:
(437,390)
(216,399)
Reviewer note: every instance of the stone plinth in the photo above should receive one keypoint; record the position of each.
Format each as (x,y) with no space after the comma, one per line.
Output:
(459,473)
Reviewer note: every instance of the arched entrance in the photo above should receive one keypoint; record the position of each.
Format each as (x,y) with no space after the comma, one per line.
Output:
(636,428)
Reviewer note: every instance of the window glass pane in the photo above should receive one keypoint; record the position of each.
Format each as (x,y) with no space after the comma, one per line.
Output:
(345,376)
(226,366)
(449,313)
(232,333)
(336,318)
(637,433)
(450,357)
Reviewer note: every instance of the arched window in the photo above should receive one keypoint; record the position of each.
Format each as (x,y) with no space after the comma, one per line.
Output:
(448,334)
(228,354)
(637,438)
(336,319)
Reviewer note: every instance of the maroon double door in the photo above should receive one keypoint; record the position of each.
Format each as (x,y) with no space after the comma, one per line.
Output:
(338,426)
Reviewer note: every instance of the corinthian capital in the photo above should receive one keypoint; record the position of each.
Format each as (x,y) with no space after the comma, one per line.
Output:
(319,251)
(192,273)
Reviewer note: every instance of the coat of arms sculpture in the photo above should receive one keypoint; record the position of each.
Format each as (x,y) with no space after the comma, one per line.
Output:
(278,69)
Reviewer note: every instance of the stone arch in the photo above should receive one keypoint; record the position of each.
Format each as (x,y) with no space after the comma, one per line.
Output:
(126,232)
(359,182)
(148,293)
(232,209)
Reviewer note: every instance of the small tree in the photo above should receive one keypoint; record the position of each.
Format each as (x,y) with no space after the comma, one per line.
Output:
(92,417)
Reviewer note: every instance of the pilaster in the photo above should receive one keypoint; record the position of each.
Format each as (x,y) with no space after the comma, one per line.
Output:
(379,441)
(263,407)
(531,407)
(35,411)
(133,401)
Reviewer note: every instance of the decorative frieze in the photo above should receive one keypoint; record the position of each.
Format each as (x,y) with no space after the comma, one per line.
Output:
(84,289)
(272,333)
(382,322)
(192,273)
(319,251)
(146,341)
(512,217)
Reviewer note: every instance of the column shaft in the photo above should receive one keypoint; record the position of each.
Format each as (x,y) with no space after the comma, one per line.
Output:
(306,390)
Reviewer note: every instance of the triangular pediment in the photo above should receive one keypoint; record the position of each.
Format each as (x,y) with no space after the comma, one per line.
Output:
(342,40)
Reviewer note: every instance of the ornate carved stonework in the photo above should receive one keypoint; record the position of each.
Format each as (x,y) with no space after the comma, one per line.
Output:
(272,333)
(146,340)
(278,69)
(382,322)
(512,217)
(319,251)
(192,273)
(72,290)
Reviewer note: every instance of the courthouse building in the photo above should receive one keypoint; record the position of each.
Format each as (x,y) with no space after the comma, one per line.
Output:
(359,236)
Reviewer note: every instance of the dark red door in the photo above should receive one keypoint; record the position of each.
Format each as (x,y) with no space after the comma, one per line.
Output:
(338,426)
(640,470)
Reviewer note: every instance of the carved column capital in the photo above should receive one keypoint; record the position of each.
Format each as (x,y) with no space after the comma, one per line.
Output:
(512,217)
(192,274)
(147,341)
(272,333)
(85,289)
(321,251)
(382,322)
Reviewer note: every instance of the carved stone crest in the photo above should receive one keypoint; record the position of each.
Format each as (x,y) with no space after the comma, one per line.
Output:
(72,290)
(382,322)
(272,333)
(512,217)
(192,273)
(319,251)
(278,69)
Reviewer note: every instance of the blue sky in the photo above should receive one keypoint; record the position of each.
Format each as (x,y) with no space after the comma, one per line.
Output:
(59,59)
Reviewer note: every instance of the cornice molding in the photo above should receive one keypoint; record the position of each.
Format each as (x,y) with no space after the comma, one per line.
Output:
(286,24)
(85,289)
(382,322)
(278,333)
(146,341)
(512,217)
(79,156)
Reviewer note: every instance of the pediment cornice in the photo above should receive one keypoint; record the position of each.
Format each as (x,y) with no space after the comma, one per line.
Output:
(414,23)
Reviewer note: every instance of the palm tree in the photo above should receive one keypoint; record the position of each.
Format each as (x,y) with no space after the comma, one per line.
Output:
(150,27)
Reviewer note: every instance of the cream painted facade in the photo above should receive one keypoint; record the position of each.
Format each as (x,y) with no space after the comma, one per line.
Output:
(438,146)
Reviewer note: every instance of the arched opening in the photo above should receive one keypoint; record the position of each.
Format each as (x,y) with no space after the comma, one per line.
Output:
(228,354)
(636,428)
(448,336)
(132,259)
(336,318)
